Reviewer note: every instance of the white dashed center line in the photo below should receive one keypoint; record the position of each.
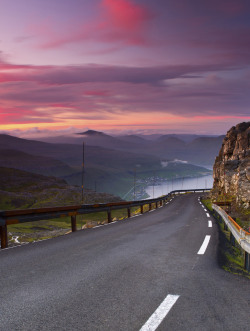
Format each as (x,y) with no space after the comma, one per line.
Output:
(209,224)
(207,215)
(204,245)
(161,312)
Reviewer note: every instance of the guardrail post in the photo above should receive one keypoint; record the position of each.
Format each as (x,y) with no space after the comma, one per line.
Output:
(73,223)
(161,203)
(109,216)
(247,261)
(149,207)
(225,227)
(129,212)
(141,209)
(156,204)
(4,236)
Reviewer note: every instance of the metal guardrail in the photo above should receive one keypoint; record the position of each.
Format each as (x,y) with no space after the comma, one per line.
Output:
(239,234)
(8,217)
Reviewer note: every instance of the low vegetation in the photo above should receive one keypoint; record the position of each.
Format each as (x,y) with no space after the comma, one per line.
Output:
(24,190)
(41,230)
(230,256)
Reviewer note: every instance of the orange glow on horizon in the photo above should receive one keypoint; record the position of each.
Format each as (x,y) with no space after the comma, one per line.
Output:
(125,121)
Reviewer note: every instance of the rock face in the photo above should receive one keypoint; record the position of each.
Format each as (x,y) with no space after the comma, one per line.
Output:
(232,167)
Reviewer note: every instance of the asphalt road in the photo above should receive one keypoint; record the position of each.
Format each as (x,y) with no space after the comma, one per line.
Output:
(114,277)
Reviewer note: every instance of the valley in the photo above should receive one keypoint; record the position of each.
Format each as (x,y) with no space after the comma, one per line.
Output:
(112,164)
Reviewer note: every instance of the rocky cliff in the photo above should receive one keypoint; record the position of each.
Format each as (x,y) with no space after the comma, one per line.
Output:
(232,167)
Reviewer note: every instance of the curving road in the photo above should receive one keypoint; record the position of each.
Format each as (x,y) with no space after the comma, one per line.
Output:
(143,273)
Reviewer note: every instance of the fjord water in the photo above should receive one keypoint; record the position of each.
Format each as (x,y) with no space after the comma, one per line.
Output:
(179,184)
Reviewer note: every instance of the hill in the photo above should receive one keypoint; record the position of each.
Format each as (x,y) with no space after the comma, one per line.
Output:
(33,163)
(22,189)
(111,170)
(205,147)
(195,149)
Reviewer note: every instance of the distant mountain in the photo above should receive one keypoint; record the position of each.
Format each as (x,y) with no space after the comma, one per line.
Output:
(187,138)
(91,138)
(96,138)
(70,154)
(33,163)
(134,139)
(203,150)
(92,133)
(192,148)
(171,141)
(150,136)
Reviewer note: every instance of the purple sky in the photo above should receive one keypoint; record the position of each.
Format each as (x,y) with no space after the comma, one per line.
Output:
(124,65)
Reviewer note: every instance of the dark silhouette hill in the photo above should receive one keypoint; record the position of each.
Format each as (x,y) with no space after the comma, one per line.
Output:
(22,189)
(43,165)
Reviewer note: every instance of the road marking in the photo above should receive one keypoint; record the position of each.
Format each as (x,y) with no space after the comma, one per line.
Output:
(210,224)
(204,245)
(161,312)
(205,209)
(208,215)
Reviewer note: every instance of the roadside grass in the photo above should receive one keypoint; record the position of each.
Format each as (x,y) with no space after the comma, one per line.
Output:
(230,257)
(208,204)
(46,229)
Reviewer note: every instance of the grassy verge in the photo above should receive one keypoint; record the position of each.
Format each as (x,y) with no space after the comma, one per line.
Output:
(230,257)
(208,204)
(45,229)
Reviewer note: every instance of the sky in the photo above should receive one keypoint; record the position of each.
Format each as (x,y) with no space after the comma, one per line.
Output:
(124,66)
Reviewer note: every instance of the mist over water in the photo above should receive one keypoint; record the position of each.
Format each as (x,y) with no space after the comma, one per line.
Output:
(179,184)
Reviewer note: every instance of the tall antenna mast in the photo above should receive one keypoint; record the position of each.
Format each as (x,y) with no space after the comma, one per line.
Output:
(134,183)
(82,168)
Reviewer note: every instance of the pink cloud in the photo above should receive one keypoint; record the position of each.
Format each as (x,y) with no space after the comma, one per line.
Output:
(96,93)
(19,115)
(35,94)
(118,21)
(126,15)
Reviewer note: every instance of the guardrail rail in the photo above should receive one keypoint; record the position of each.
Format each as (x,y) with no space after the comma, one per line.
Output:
(8,217)
(236,233)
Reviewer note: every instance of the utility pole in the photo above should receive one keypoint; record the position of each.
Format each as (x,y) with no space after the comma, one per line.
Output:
(154,186)
(134,182)
(224,177)
(83,151)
